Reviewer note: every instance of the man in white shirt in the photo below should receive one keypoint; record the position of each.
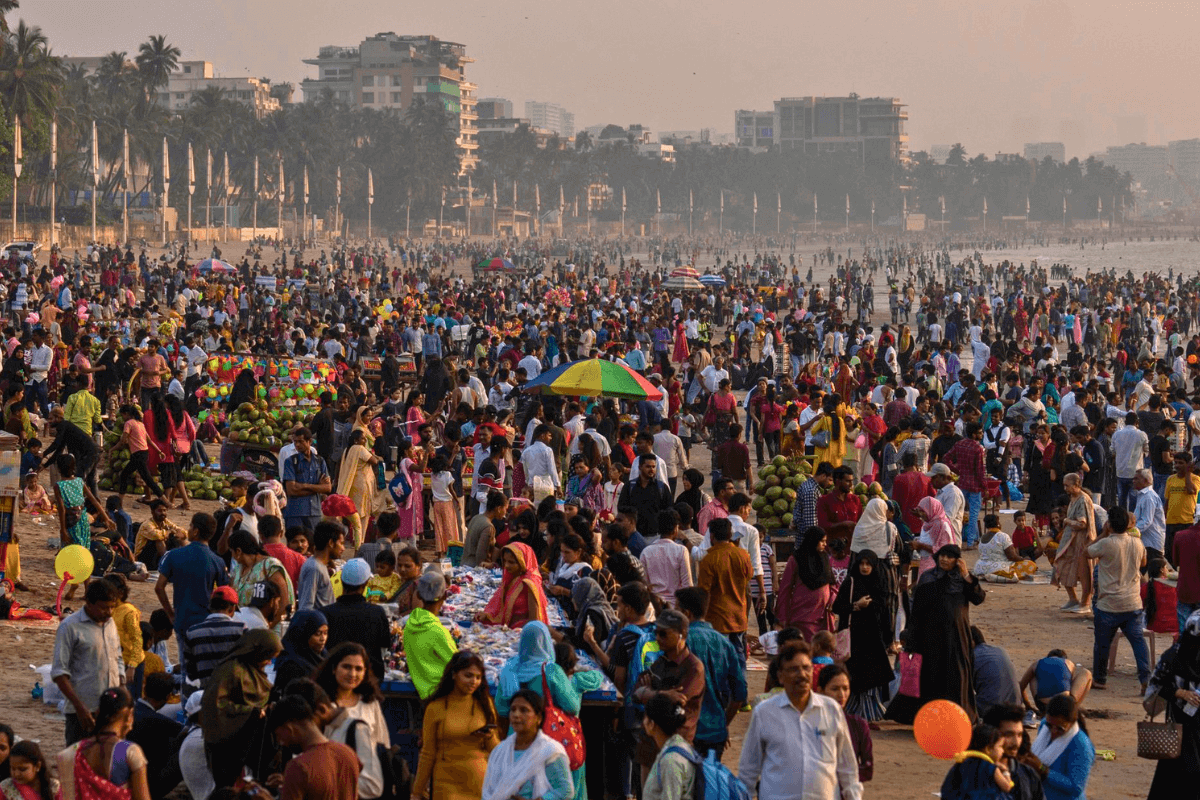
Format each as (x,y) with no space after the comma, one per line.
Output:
(981,351)
(798,746)
(538,460)
(498,396)
(669,449)
(40,359)
(713,374)
(950,496)
(1130,447)
(531,363)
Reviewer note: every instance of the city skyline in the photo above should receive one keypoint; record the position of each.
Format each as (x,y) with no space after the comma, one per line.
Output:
(661,66)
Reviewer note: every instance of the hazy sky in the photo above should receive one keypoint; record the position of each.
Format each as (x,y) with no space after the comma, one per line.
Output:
(991,75)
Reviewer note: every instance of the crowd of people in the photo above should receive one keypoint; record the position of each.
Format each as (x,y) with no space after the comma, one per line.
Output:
(984,386)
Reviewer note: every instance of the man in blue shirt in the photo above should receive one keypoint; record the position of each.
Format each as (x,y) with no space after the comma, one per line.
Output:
(305,479)
(725,687)
(193,571)
(431,343)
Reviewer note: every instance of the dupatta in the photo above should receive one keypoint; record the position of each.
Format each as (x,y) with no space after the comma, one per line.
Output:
(510,599)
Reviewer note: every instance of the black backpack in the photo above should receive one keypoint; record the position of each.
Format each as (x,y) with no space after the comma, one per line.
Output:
(397,778)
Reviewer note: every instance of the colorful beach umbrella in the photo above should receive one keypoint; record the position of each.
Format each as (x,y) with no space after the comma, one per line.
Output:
(712,280)
(684,283)
(594,377)
(685,272)
(216,265)
(497,265)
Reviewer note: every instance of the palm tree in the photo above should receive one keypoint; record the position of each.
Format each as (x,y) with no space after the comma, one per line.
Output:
(156,60)
(5,7)
(957,156)
(583,141)
(29,76)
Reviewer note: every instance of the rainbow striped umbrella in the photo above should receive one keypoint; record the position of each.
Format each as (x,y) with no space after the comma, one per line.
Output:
(685,272)
(594,377)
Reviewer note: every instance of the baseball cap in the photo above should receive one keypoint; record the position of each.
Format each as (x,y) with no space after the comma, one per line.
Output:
(192,706)
(260,595)
(356,572)
(671,620)
(226,593)
(431,586)
(939,469)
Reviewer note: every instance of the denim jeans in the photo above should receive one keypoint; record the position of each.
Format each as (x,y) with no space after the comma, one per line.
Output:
(1160,485)
(1126,496)
(1183,611)
(1107,624)
(974,506)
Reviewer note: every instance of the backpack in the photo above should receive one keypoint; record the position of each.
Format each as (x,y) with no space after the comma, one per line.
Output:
(714,780)
(644,655)
(397,779)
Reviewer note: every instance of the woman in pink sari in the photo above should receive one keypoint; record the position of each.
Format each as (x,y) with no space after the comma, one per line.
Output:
(936,531)
(680,355)
(804,593)
(520,598)
(104,766)
(410,504)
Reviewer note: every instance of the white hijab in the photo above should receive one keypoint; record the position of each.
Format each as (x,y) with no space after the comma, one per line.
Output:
(506,775)
(1048,751)
(873,531)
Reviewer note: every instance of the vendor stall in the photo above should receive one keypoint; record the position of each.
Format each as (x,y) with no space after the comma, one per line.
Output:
(470,589)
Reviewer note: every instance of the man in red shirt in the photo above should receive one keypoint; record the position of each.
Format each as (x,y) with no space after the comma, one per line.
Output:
(1185,555)
(839,510)
(324,770)
(908,488)
(966,459)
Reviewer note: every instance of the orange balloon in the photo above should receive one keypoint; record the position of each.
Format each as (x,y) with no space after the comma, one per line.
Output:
(942,729)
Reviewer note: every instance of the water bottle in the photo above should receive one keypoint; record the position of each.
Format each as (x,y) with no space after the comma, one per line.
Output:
(36,692)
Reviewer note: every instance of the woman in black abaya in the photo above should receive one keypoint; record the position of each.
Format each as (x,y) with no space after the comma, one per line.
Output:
(862,604)
(1177,681)
(940,629)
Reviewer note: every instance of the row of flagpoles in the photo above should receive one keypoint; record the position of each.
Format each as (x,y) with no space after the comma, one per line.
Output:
(18,162)
(127,177)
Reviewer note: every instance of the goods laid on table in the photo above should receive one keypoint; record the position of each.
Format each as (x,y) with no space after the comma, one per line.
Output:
(469,591)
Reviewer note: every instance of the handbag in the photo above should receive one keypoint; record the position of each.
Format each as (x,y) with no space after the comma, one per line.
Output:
(564,728)
(820,438)
(841,638)
(910,675)
(1159,740)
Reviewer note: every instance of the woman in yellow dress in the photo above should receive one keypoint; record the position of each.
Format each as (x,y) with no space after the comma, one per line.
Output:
(458,734)
(356,479)
(831,429)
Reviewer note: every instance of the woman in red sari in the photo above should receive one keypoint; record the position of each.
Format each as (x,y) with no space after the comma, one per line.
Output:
(681,353)
(520,598)
(104,766)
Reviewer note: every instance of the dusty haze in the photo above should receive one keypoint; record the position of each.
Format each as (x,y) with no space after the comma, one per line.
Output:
(1089,73)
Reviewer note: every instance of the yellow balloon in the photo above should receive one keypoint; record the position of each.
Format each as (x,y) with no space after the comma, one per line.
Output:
(74,560)
(335,581)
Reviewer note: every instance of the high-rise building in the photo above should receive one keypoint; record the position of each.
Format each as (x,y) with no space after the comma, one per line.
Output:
(189,78)
(494,108)
(754,128)
(387,71)
(1147,163)
(551,117)
(1184,157)
(1037,151)
(871,128)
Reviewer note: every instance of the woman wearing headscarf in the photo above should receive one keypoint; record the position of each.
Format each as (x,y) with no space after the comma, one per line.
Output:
(235,704)
(534,668)
(939,629)
(303,649)
(357,476)
(520,598)
(1071,563)
(936,531)
(802,598)
(1176,681)
(592,608)
(528,764)
(876,533)
(863,605)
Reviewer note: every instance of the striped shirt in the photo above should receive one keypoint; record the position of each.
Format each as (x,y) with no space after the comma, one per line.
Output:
(206,643)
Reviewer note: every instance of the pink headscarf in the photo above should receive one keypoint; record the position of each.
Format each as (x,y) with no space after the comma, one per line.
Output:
(937,531)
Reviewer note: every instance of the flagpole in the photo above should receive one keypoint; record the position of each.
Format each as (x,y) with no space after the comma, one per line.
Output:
(370,200)
(304,215)
(470,197)
(53,179)
(225,216)
(279,203)
(254,204)
(847,213)
(337,212)
(95,178)
(191,191)
(166,189)
(125,190)
(408,213)
(754,217)
(622,212)
(721,216)
(208,203)
(494,201)
(691,201)
(778,211)
(17,164)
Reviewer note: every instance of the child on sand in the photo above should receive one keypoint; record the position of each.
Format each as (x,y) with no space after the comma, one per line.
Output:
(34,499)
(980,773)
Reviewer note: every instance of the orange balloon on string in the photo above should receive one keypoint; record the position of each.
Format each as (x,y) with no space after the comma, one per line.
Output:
(942,729)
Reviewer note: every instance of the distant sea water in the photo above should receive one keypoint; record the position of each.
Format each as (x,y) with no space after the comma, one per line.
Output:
(1144,256)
